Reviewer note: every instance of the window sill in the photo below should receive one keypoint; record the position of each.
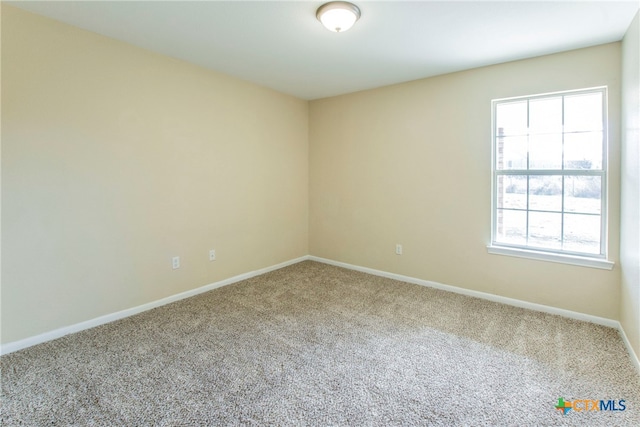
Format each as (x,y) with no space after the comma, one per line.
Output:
(551,257)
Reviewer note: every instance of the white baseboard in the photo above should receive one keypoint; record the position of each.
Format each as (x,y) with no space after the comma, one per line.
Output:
(477,294)
(495,298)
(58,333)
(634,357)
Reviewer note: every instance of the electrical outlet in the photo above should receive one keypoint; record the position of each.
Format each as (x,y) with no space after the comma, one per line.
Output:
(212,255)
(175,262)
(398,249)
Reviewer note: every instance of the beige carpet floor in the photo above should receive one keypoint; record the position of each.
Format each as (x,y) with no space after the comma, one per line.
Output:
(312,344)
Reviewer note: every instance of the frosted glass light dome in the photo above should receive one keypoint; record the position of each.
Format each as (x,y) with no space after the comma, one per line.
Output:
(338,16)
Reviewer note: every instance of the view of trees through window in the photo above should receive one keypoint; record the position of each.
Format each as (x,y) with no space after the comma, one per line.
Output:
(549,172)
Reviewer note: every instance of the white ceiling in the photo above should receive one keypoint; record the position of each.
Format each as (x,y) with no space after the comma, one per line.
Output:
(281,45)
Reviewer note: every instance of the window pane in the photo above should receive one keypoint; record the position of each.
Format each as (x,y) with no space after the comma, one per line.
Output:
(511,227)
(554,145)
(545,230)
(512,191)
(511,118)
(545,151)
(511,153)
(545,193)
(583,112)
(583,150)
(545,115)
(583,194)
(582,233)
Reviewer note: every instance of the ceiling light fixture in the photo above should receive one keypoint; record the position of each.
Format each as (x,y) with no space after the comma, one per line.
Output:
(338,16)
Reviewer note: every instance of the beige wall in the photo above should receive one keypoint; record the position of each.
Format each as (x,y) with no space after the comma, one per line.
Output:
(115,159)
(630,206)
(411,164)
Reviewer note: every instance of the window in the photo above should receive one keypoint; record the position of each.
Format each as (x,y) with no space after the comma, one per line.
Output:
(549,176)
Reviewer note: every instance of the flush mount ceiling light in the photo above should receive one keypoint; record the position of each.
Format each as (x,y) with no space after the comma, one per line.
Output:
(338,16)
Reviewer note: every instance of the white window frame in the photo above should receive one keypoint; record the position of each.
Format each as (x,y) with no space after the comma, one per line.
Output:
(553,255)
